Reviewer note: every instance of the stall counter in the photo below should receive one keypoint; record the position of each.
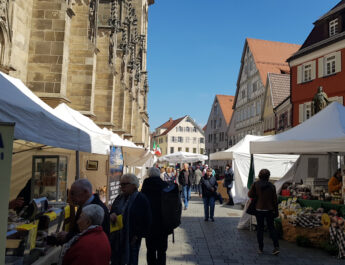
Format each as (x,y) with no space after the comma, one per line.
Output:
(315,204)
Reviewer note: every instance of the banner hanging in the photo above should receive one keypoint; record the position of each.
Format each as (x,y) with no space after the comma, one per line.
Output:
(115,172)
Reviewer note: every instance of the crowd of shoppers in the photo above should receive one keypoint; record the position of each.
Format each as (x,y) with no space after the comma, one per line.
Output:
(138,215)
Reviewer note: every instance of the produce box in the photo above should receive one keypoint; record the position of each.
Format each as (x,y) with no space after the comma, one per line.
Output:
(316,235)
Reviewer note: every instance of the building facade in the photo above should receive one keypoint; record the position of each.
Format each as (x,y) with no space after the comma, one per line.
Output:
(259,58)
(319,63)
(216,128)
(182,134)
(277,115)
(90,54)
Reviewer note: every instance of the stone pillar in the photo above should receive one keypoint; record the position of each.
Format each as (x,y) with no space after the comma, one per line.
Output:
(82,54)
(48,51)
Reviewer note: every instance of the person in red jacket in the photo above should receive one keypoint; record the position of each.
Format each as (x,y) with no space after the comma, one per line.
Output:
(91,246)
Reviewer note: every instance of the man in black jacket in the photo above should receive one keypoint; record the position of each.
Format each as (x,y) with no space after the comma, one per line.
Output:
(186,179)
(81,195)
(157,242)
(228,182)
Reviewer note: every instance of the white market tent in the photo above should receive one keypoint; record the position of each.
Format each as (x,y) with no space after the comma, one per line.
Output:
(186,157)
(321,134)
(35,121)
(240,156)
(102,139)
(241,147)
(318,137)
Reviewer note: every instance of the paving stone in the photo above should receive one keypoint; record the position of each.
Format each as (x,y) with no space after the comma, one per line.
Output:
(221,243)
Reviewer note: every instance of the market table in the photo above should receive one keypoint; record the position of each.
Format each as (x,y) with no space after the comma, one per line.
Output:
(51,257)
(315,204)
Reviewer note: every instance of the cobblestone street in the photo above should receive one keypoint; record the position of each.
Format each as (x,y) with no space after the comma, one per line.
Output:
(220,243)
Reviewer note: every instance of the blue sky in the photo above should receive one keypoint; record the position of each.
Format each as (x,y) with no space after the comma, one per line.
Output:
(195,47)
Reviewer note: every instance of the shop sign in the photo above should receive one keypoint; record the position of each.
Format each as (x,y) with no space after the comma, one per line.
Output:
(115,172)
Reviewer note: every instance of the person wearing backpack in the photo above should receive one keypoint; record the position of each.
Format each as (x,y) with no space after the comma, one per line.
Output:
(157,241)
(209,187)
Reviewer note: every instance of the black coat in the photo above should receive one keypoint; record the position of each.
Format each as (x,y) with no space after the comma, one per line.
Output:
(182,177)
(228,177)
(106,221)
(152,188)
(139,216)
(207,184)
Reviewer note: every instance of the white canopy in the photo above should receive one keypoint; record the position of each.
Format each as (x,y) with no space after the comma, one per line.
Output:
(322,133)
(241,147)
(182,157)
(35,120)
(102,139)
(278,165)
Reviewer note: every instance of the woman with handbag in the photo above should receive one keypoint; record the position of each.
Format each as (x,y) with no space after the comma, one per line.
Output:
(264,193)
(209,187)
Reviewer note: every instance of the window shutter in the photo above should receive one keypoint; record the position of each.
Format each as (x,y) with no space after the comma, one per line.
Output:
(313,70)
(299,74)
(338,61)
(320,66)
(300,113)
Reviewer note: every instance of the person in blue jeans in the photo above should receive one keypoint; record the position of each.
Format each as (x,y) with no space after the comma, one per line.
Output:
(209,187)
(186,179)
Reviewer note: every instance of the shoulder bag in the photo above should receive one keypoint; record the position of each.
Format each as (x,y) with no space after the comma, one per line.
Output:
(252,205)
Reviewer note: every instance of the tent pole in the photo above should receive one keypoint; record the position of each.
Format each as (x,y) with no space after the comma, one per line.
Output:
(77,173)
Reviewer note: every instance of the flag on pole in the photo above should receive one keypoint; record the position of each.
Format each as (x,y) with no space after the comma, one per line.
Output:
(158,150)
(154,146)
(251,174)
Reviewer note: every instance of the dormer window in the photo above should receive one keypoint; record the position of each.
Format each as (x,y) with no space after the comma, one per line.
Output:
(333,27)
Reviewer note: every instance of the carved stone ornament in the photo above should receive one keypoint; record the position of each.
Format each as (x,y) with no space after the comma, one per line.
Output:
(4,14)
(114,20)
(112,40)
(93,20)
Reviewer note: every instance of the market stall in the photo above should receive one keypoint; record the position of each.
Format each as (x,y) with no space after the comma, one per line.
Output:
(45,163)
(35,126)
(240,157)
(322,134)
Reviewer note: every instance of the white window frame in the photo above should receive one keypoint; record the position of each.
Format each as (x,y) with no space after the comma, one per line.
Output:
(333,27)
(330,65)
(332,60)
(307,69)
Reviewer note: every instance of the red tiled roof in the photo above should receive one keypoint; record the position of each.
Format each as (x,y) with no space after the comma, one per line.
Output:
(280,87)
(226,102)
(167,124)
(270,56)
(170,125)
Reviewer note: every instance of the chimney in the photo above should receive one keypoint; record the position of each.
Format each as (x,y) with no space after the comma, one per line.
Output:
(170,119)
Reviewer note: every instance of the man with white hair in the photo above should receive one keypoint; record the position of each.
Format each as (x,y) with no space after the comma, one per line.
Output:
(81,195)
(135,212)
